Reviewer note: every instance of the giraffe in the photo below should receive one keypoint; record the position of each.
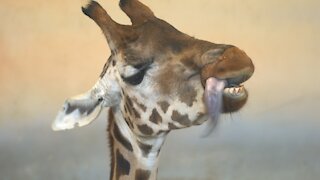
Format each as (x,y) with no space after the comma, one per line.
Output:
(157,79)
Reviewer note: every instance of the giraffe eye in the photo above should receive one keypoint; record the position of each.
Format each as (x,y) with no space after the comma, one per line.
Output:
(137,77)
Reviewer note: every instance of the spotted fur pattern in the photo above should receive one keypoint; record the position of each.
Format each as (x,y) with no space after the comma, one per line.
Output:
(153,82)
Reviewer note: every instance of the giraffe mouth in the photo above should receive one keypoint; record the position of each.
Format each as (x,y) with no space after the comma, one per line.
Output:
(218,91)
(230,70)
(235,91)
(220,97)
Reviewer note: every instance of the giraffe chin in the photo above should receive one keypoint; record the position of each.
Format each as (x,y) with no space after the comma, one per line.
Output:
(234,98)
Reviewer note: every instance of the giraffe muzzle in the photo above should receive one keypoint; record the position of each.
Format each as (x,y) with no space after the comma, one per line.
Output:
(232,68)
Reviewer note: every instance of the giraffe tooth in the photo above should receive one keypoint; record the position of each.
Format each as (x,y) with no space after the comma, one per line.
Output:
(233,91)
(237,90)
(241,89)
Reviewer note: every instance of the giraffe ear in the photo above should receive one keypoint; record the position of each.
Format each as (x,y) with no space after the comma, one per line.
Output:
(77,112)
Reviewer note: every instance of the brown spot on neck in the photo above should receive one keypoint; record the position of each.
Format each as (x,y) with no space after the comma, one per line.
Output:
(145,148)
(140,105)
(122,165)
(145,129)
(155,117)
(111,142)
(128,105)
(188,96)
(129,108)
(172,126)
(129,122)
(121,139)
(164,105)
(129,101)
(126,109)
(142,174)
(182,119)
(136,113)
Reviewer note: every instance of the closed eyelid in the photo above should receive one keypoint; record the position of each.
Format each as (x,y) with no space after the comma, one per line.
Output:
(138,77)
(135,79)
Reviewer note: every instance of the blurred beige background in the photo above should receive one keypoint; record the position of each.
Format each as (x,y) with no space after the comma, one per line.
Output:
(49,51)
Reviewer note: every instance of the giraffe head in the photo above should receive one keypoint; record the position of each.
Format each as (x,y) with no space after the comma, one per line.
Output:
(158,76)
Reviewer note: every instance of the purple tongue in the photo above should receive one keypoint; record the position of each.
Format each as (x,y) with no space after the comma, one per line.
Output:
(213,100)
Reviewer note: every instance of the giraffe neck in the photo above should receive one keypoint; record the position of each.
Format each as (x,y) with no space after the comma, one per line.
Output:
(133,157)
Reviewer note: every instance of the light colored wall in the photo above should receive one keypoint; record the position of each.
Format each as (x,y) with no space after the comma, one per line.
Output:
(49,51)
